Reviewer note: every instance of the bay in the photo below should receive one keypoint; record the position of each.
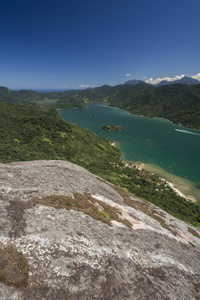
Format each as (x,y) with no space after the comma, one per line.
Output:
(160,144)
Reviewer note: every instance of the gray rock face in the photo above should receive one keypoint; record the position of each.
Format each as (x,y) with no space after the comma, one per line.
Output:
(71,255)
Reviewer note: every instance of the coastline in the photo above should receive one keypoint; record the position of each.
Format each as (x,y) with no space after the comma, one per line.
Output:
(162,118)
(183,187)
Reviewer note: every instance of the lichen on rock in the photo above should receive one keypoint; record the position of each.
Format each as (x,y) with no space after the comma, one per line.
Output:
(67,234)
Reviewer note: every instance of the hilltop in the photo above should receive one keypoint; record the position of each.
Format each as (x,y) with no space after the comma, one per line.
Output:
(68,234)
(184,80)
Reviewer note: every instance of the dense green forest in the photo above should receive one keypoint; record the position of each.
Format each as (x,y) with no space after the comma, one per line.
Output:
(62,99)
(29,133)
(180,103)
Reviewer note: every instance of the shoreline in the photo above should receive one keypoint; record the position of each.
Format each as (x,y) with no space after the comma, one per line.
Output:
(183,187)
(162,118)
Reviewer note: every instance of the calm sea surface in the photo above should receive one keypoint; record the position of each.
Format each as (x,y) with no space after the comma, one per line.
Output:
(156,141)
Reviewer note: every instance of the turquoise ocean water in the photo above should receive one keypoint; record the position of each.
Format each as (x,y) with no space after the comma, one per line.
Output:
(155,141)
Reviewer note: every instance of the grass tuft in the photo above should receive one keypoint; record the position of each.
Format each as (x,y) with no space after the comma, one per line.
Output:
(84,203)
(14,268)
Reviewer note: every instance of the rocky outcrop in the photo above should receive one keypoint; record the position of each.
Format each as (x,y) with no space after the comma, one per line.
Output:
(84,238)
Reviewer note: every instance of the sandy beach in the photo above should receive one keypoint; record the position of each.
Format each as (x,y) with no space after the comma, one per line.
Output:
(181,186)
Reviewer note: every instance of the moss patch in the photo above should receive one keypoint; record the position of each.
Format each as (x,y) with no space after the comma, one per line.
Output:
(104,214)
(193,232)
(87,204)
(14,268)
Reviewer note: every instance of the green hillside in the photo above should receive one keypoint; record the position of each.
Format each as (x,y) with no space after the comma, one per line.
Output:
(28,133)
(179,103)
(62,99)
(21,96)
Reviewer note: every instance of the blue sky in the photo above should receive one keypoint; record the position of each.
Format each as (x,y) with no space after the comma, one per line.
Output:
(78,43)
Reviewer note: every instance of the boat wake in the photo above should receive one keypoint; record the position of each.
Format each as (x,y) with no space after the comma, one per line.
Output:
(185,131)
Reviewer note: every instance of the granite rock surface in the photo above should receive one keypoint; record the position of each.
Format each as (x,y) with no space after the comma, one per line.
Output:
(143,253)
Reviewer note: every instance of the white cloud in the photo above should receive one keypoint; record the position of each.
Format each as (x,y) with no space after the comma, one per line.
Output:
(197,76)
(84,85)
(153,81)
(128,74)
(158,80)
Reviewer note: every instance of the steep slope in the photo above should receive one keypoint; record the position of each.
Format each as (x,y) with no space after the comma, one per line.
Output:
(177,102)
(29,134)
(133,250)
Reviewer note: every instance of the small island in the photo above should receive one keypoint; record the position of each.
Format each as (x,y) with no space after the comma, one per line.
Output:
(112,127)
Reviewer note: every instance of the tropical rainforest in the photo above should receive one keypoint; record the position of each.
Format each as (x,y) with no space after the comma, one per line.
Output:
(34,132)
(180,103)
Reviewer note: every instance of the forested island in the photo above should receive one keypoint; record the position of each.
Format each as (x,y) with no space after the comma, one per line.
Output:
(30,132)
(112,127)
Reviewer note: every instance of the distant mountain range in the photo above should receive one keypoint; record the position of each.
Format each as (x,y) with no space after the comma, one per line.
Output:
(133,82)
(177,101)
(184,80)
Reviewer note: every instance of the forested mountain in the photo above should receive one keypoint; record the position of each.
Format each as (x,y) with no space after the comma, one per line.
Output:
(184,80)
(180,103)
(62,99)
(133,82)
(18,96)
(28,134)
